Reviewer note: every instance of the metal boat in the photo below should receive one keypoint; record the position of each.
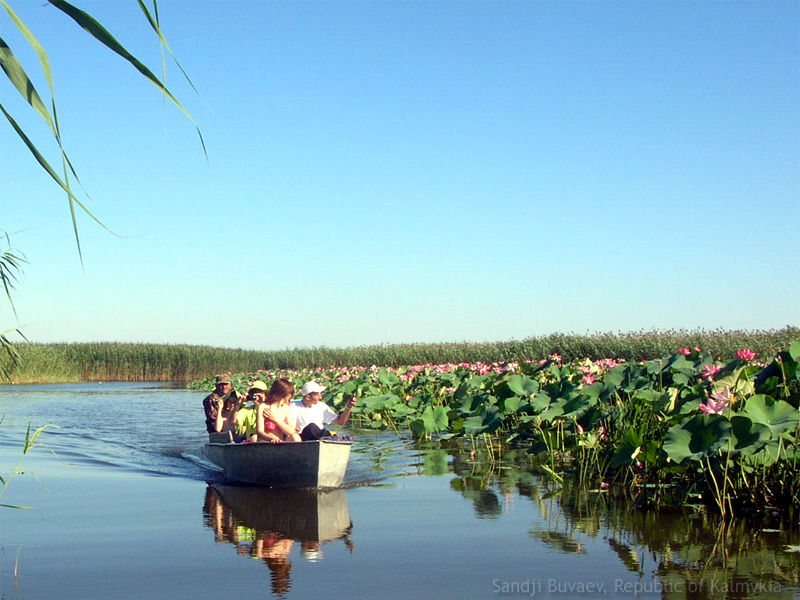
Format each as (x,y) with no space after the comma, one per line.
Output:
(317,464)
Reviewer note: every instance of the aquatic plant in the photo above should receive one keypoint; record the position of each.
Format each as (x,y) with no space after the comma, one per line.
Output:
(727,430)
(29,443)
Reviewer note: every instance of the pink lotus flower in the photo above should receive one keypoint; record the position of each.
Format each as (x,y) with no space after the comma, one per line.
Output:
(697,348)
(579,428)
(604,485)
(684,351)
(588,379)
(746,354)
(717,402)
(555,357)
(709,371)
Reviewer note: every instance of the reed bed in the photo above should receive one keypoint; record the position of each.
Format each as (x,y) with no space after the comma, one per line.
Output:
(110,361)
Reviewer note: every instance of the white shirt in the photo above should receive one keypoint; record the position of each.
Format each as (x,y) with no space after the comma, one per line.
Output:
(320,413)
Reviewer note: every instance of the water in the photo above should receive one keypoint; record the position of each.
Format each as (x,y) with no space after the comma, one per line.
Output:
(123,508)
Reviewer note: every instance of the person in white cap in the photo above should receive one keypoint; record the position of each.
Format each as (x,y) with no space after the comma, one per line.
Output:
(313,414)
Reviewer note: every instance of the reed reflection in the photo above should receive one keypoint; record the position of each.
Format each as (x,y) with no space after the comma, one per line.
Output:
(685,552)
(266,523)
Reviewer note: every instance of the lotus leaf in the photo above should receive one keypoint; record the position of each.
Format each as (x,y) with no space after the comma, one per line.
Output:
(511,405)
(376,403)
(522,385)
(486,422)
(749,437)
(629,447)
(387,378)
(794,351)
(697,438)
(575,407)
(615,376)
(434,418)
(778,415)
(540,401)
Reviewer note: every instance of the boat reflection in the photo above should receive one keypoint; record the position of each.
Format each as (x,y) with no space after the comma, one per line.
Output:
(265,523)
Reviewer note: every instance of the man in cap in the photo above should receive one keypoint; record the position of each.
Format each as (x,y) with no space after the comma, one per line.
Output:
(313,414)
(213,403)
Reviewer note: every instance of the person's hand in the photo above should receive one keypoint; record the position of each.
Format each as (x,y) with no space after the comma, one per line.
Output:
(269,412)
(352,402)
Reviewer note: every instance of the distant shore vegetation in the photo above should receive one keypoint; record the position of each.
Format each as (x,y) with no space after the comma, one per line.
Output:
(110,361)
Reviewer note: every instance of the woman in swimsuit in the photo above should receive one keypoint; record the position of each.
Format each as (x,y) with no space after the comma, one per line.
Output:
(274,417)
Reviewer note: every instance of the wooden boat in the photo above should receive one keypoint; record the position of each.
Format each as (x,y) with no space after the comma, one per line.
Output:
(317,464)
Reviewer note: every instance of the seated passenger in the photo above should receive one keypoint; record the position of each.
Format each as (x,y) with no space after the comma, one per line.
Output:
(214,403)
(246,417)
(274,419)
(312,414)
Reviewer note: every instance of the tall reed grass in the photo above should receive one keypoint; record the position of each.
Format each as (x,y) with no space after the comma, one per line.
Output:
(109,361)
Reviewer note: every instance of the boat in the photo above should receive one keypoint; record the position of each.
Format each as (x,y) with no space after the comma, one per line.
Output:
(314,464)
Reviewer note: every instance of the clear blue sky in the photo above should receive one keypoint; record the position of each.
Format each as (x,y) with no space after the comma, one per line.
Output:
(386,172)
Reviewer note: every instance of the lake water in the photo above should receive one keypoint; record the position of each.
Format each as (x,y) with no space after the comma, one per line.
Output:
(121,509)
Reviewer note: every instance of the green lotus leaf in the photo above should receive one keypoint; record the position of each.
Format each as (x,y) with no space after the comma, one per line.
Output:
(696,438)
(553,411)
(749,437)
(387,378)
(615,376)
(577,406)
(434,419)
(522,385)
(680,379)
(778,415)
(512,405)
(381,402)
(540,401)
(649,395)
(794,351)
(487,421)
(628,449)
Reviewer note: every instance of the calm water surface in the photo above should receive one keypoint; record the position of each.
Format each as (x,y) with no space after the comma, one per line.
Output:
(123,509)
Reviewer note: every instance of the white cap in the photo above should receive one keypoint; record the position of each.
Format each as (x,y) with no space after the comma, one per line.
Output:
(311,387)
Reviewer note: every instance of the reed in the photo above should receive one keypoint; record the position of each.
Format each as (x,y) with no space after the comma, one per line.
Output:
(110,361)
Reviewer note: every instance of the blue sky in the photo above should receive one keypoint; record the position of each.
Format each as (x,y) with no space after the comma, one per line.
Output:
(387,172)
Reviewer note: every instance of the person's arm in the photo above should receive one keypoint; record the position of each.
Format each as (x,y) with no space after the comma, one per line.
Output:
(343,418)
(219,422)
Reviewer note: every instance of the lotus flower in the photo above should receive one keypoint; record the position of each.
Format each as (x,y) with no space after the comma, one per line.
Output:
(717,402)
(746,354)
(709,371)
(684,351)
(588,379)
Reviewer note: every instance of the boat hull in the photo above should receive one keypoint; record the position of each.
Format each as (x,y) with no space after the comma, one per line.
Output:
(316,464)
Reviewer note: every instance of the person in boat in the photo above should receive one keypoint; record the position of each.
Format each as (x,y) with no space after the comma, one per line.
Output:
(312,414)
(274,417)
(246,428)
(215,403)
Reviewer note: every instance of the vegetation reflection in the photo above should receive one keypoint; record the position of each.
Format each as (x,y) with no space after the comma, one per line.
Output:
(686,552)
